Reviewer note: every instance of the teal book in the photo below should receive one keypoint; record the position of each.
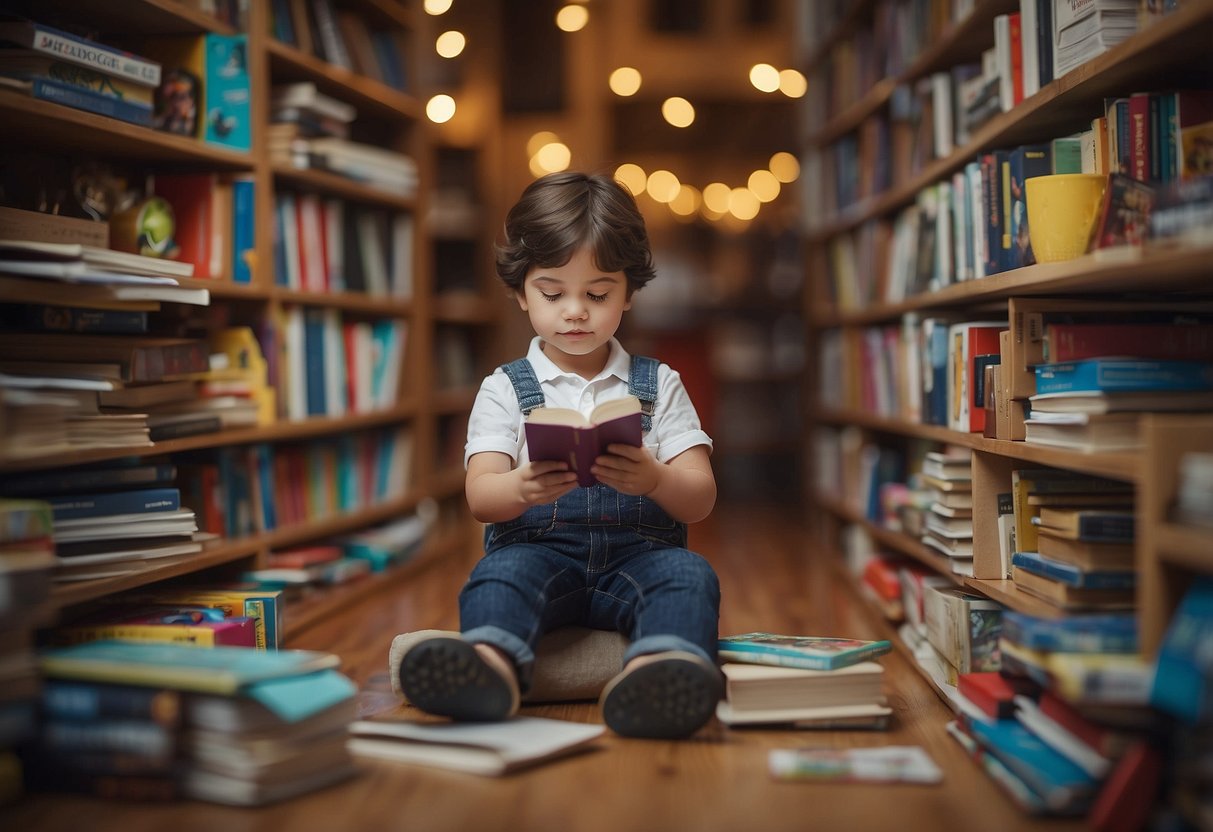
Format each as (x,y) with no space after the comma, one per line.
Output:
(1128,375)
(1182,677)
(1063,786)
(805,652)
(224,670)
(228,102)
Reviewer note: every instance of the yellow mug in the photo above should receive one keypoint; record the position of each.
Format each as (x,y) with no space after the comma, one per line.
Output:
(1062,208)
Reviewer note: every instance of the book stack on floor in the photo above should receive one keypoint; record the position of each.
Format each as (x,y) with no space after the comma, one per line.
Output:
(265,607)
(112,518)
(1057,723)
(802,681)
(1071,539)
(227,725)
(27,555)
(949,519)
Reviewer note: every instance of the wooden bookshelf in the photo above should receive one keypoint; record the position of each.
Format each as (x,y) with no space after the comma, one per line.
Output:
(1170,53)
(388,117)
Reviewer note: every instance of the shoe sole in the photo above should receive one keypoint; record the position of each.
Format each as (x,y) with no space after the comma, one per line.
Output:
(447,677)
(667,699)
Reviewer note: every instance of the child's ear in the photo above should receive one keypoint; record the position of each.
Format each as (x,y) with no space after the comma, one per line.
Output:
(520,296)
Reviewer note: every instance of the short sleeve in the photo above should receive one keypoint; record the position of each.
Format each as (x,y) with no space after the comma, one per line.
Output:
(495,423)
(676,426)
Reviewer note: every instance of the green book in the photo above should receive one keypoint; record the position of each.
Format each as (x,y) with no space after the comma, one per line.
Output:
(805,652)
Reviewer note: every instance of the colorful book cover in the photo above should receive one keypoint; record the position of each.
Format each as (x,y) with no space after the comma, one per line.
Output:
(1075,633)
(1026,161)
(1111,375)
(80,98)
(1124,216)
(1071,575)
(83,701)
(1182,685)
(1061,783)
(806,652)
(224,670)
(68,47)
(228,104)
(25,520)
(244,243)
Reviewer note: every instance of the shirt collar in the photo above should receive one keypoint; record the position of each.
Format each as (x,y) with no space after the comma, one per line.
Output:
(618,362)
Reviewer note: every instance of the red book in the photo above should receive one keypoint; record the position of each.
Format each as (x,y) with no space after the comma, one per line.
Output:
(1016,56)
(304,557)
(203,219)
(1127,797)
(1102,740)
(557,433)
(1155,342)
(991,692)
(1139,136)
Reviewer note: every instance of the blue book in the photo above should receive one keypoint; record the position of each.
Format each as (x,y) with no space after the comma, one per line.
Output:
(85,480)
(1026,161)
(86,701)
(45,318)
(1062,784)
(1183,676)
(296,698)
(1124,375)
(1071,575)
(1075,633)
(228,103)
(243,230)
(224,670)
(806,652)
(313,351)
(935,371)
(143,501)
(81,98)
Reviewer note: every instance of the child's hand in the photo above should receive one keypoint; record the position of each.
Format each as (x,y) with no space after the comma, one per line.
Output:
(544,482)
(628,469)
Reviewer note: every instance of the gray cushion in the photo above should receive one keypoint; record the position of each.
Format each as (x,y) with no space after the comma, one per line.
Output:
(570,663)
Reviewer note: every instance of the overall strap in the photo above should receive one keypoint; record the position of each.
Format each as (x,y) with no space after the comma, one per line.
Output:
(526,384)
(642,383)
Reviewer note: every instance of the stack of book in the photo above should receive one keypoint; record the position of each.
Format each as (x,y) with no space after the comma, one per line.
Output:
(54,65)
(1084,558)
(301,111)
(227,725)
(949,519)
(1082,31)
(963,629)
(1056,726)
(126,276)
(803,681)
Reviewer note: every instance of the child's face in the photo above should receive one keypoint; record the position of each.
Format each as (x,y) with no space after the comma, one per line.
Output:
(576,309)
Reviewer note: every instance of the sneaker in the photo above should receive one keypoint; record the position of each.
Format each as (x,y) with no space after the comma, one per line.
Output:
(447,676)
(670,696)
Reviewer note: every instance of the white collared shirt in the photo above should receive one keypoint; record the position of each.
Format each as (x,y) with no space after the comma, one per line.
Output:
(496,420)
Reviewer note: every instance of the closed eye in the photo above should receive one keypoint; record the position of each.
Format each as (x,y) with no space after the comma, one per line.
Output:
(596,298)
(552,298)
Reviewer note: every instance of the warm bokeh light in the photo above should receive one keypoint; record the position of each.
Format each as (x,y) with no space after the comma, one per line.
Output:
(709,214)
(663,186)
(687,202)
(743,204)
(792,83)
(764,185)
(785,166)
(633,177)
(554,156)
(437,7)
(572,18)
(440,109)
(538,140)
(764,77)
(716,197)
(450,44)
(625,81)
(678,111)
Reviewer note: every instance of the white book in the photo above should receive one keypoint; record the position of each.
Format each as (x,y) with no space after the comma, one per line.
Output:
(402,256)
(1002,51)
(1031,53)
(1060,739)
(335,396)
(289,236)
(305,96)
(80,272)
(105,259)
(486,748)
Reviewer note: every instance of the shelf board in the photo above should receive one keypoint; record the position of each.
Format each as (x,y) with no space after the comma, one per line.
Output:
(335,185)
(1174,44)
(1187,546)
(47,126)
(1169,269)
(277,432)
(131,17)
(1121,466)
(1006,593)
(368,95)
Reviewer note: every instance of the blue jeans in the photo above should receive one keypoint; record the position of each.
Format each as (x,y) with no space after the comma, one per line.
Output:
(595,558)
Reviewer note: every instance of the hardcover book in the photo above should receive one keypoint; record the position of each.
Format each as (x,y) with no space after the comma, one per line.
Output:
(563,434)
(1062,784)
(1077,633)
(806,652)
(1110,374)
(775,692)
(68,47)
(1072,575)
(1071,597)
(489,748)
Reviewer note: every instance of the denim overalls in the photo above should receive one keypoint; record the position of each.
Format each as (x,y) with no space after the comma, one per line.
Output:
(595,558)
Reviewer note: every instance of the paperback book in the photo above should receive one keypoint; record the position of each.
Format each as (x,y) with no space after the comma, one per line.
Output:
(882,764)
(563,434)
(806,652)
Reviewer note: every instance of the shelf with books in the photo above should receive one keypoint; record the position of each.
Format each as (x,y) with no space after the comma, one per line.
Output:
(358,302)
(335,185)
(155,17)
(290,64)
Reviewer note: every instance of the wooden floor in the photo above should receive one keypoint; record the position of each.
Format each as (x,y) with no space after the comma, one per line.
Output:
(771,579)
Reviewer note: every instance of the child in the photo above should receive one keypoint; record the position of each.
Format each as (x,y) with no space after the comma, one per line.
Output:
(611,556)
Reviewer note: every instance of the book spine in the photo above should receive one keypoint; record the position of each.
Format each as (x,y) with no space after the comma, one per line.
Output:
(775,659)
(1139,136)
(47,318)
(1128,376)
(84,99)
(155,363)
(1105,527)
(120,735)
(243,230)
(69,701)
(1161,342)
(86,480)
(94,55)
(191,427)
(75,507)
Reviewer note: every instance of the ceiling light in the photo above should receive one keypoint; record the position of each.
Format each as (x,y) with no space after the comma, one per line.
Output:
(554,156)
(716,197)
(538,140)
(764,185)
(663,186)
(743,204)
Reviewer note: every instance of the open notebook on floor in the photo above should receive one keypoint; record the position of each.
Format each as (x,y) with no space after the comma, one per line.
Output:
(491,748)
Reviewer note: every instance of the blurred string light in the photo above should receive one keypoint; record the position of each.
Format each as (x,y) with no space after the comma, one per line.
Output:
(633,177)
(572,18)
(785,166)
(764,185)
(437,7)
(538,140)
(663,186)
(450,44)
(440,109)
(792,83)
(678,111)
(687,202)
(550,158)
(764,77)
(743,204)
(625,81)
